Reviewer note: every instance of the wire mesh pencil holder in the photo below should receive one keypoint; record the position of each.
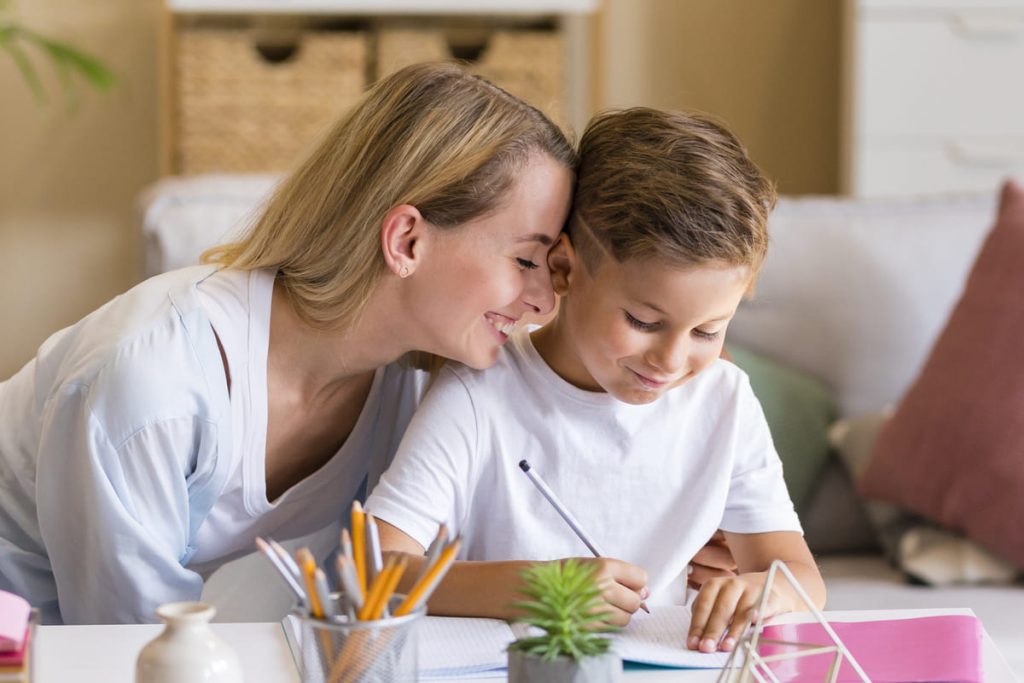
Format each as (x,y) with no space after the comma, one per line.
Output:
(346,650)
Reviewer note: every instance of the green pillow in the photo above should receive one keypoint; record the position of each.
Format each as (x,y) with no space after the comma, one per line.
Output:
(799,410)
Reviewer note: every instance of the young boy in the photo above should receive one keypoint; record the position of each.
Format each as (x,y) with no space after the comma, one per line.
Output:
(621,403)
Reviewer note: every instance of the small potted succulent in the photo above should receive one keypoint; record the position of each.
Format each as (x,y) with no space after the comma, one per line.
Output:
(565,604)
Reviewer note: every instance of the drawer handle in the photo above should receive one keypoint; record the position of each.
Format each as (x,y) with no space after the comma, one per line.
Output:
(984,155)
(988,27)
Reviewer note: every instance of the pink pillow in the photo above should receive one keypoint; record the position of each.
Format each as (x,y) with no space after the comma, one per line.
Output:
(954,449)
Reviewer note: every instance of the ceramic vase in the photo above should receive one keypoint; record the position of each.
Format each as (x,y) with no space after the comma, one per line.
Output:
(527,668)
(187,651)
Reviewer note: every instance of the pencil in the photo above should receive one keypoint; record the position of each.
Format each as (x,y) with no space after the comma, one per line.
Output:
(436,546)
(370,602)
(423,588)
(349,584)
(374,560)
(322,593)
(288,560)
(359,543)
(308,565)
(389,587)
(563,511)
(281,569)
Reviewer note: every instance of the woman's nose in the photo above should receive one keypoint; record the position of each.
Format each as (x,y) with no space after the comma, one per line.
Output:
(538,295)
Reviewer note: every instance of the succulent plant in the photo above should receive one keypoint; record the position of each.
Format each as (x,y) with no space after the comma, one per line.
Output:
(565,602)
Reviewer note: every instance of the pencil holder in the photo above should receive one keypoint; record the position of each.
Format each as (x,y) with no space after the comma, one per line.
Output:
(344,650)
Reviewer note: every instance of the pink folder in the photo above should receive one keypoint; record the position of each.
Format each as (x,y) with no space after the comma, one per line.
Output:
(943,648)
(14,614)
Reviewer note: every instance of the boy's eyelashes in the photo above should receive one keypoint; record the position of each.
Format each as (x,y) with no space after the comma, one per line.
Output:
(640,324)
(650,327)
(706,336)
(526,264)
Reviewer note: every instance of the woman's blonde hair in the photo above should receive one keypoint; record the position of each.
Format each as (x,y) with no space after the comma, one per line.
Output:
(669,185)
(432,136)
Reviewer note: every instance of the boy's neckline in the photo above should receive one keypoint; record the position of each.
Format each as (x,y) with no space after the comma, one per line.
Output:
(543,366)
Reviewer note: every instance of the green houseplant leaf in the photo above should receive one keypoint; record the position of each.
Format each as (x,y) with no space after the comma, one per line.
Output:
(71,64)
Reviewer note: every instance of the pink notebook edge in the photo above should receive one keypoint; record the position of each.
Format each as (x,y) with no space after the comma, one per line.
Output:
(15,613)
(964,628)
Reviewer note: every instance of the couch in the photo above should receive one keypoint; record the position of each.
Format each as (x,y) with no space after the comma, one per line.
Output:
(852,297)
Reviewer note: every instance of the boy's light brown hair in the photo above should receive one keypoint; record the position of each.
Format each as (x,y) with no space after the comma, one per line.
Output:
(672,186)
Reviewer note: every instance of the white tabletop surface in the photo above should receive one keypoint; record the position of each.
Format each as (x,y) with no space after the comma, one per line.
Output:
(91,654)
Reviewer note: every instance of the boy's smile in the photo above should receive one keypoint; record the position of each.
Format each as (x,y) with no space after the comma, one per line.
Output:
(639,328)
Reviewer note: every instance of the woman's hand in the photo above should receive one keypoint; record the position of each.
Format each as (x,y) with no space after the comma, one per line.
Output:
(724,606)
(713,561)
(623,587)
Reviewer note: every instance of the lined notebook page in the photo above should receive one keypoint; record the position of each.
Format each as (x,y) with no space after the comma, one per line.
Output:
(660,638)
(453,646)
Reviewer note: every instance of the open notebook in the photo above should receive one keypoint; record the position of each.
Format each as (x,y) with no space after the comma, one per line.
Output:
(451,647)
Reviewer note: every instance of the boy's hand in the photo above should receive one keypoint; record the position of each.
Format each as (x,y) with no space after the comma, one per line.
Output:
(623,587)
(712,561)
(723,607)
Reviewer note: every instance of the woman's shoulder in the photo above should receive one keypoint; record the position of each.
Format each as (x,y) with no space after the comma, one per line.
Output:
(148,352)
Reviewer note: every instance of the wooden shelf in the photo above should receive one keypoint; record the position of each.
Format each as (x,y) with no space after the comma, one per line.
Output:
(383,8)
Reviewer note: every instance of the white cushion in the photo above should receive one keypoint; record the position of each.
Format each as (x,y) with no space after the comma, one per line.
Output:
(182,217)
(855,292)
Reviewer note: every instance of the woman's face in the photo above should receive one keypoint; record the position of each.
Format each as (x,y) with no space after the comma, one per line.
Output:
(480,279)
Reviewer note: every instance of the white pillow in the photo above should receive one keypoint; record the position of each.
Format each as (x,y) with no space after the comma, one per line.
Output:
(856,291)
(182,217)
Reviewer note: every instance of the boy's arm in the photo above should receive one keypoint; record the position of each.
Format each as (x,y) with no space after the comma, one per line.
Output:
(488,589)
(724,604)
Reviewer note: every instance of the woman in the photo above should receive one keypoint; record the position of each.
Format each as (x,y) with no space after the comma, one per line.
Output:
(153,440)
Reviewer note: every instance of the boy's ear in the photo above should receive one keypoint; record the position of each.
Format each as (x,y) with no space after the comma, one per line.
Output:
(402,239)
(562,261)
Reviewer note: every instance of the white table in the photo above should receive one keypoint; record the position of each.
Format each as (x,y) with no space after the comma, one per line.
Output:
(95,654)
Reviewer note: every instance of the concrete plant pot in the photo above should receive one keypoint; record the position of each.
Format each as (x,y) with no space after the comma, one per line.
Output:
(527,668)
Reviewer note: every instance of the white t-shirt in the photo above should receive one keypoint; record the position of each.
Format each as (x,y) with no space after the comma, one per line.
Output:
(650,483)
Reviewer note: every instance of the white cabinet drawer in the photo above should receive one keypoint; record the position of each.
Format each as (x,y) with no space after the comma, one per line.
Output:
(886,169)
(939,73)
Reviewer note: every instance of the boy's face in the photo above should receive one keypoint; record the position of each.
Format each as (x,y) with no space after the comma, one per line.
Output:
(639,328)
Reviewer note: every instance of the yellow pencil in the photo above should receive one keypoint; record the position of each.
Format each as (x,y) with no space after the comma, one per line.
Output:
(389,587)
(359,543)
(308,565)
(370,603)
(421,591)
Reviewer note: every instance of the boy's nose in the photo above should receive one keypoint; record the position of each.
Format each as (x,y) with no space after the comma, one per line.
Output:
(671,356)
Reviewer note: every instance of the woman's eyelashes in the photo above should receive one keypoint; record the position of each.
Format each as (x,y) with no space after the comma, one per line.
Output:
(526,264)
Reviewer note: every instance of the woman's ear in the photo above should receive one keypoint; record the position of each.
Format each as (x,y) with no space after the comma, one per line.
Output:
(402,241)
(562,261)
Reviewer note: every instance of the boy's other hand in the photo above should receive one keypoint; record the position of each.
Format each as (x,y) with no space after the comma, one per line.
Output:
(713,561)
(623,587)
(723,607)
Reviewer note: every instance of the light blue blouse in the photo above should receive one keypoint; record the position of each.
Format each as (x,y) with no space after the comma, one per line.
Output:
(114,446)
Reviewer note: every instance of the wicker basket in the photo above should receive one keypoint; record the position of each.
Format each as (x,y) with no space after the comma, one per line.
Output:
(527,63)
(240,112)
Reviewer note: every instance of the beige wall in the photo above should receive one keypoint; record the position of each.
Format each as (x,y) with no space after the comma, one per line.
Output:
(770,69)
(68,182)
